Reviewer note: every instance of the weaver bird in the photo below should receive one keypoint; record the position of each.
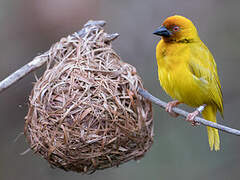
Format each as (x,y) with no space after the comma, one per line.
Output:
(188,73)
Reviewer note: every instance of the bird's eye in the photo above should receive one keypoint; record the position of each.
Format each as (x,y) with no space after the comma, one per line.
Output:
(176,28)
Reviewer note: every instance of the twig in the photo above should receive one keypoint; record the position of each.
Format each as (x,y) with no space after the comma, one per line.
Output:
(42,59)
(184,114)
(23,71)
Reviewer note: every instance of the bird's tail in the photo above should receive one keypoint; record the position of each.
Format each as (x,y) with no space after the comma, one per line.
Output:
(209,113)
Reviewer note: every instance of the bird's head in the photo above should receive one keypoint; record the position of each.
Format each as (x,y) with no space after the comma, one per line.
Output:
(177,28)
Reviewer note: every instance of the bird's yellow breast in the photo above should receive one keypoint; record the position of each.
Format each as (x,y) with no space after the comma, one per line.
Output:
(174,75)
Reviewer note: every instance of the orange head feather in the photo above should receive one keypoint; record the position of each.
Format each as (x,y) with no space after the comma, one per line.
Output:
(177,28)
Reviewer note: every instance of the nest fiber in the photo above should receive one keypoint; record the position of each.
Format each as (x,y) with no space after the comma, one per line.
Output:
(84,112)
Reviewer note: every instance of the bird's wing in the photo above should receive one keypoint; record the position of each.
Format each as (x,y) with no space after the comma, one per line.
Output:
(204,69)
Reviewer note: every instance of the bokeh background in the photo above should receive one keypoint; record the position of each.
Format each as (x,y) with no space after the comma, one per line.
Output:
(29,27)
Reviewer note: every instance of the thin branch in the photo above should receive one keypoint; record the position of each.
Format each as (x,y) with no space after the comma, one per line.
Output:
(184,114)
(23,71)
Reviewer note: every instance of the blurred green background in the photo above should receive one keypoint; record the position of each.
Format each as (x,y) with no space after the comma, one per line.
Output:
(29,27)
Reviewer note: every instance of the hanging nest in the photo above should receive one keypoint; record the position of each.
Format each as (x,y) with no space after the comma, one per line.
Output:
(84,112)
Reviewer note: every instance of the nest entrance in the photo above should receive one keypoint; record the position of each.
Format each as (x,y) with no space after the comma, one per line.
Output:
(84,112)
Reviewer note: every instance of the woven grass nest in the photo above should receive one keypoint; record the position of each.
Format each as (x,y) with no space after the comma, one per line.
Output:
(84,112)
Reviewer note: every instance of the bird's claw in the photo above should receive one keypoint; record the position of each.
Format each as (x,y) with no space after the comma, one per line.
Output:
(191,117)
(169,107)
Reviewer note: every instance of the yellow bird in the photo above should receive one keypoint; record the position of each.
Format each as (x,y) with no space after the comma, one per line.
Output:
(188,73)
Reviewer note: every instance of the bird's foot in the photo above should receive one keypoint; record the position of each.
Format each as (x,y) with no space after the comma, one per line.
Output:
(191,117)
(171,105)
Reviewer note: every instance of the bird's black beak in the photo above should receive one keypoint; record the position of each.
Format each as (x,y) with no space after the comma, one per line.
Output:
(162,31)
